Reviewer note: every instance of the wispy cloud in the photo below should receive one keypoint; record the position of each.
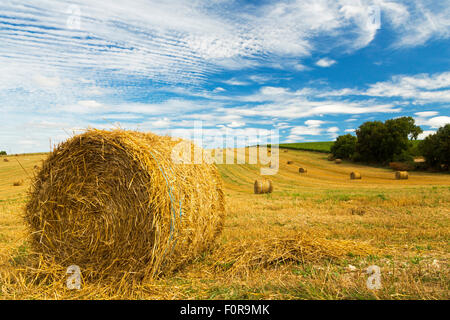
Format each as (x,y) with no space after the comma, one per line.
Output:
(325,62)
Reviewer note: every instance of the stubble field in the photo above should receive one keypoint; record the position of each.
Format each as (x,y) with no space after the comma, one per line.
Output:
(312,238)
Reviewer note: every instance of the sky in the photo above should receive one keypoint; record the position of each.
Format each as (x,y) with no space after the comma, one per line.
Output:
(305,70)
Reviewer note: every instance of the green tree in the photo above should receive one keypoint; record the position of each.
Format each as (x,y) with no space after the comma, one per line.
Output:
(436,148)
(344,147)
(383,142)
(2,153)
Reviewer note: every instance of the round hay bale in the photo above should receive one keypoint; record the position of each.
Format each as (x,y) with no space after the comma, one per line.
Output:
(285,151)
(302,170)
(401,175)
(5,160)
(116,203)
(330,157)
(290,162)
(355,175)
(338,161)
(263,186)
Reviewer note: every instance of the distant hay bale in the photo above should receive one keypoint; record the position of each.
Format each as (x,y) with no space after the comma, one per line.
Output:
(18,183)
(115,203)
(5,160)
(263,186)
(302,170)
(355,175)
(401,175)
(290,162)
(330,157)
(285,151)
(338,161)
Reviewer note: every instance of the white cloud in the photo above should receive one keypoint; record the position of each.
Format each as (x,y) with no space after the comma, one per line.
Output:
(236,124)
(50,82)
(269,91)
(325,62)
(300,67)
(426,20)
(426,114)
(333,130)
(420,88)
(235,82)
(425,134)
(435,122)
(314,123)
(219,89)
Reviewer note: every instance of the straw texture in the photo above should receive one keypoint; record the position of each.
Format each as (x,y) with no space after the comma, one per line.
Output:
(115,203)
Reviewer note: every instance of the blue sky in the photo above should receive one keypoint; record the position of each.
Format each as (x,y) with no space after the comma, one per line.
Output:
(310,69)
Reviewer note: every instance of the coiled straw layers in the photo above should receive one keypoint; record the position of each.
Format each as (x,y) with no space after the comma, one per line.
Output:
(114,203)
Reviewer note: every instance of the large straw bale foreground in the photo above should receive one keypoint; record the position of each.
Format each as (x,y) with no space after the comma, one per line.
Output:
(115,203)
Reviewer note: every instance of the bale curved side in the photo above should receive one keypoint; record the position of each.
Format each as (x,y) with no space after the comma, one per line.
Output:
(114,202)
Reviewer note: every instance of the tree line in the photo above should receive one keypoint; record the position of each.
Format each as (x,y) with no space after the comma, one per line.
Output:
(392,140)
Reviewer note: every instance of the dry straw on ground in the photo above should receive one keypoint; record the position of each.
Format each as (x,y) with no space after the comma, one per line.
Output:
(401,175)
(291,247)
(302,170)
(116,204)
(338,161)
(263,186)
(355,175)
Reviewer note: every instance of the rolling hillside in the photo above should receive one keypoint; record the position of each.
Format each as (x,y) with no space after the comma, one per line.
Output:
(405,222)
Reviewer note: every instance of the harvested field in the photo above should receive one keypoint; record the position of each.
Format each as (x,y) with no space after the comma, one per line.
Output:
(294,243)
